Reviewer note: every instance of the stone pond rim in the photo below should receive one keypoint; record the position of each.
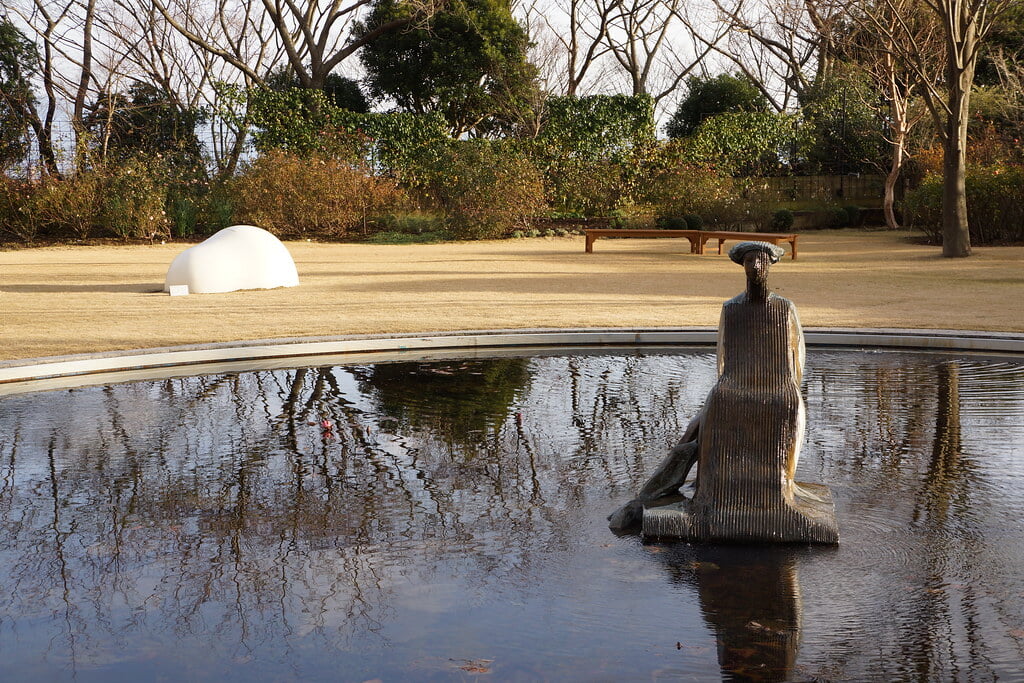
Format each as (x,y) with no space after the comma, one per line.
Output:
(21,375)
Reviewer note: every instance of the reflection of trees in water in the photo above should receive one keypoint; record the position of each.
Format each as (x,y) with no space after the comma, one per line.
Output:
(217,507)
(916,479)
(461,400)
(941,614)
(220,504)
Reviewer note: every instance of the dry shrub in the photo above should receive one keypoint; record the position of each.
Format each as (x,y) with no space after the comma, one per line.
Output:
(487,190)
(995,205)
(17,199)
(292,196)
(125,199)
(70,206)
(681,189)
(929,160)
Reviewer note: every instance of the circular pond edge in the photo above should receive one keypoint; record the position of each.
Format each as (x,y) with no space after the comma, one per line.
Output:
(38,374)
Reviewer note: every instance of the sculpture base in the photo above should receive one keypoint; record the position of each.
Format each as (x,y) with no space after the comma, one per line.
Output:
(810,518)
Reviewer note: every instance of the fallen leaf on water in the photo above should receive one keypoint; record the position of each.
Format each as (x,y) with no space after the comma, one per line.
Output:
(703,566)
(474,666)
(654,549)
(1017,633)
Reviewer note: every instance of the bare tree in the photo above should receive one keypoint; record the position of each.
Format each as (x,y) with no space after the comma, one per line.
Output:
(962,27)
(783,46)
(314,35)
(639,46)
(875,53)
(572,40)
(74,67)
(641,38)
(189,76)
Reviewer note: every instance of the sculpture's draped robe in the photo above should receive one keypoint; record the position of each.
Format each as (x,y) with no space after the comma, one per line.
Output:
(750,438)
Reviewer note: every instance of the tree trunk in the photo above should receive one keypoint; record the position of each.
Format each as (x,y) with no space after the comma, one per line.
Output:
(45,142)
(956,236)
(889,198)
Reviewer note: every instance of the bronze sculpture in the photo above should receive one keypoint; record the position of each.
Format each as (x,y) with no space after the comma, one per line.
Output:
(746,439)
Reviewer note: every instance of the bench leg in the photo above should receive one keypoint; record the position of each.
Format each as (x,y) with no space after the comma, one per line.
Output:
(792,249)
(589,248)
(721,241)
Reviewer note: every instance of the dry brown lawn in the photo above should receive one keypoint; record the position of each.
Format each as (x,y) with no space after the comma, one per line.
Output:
(76,299)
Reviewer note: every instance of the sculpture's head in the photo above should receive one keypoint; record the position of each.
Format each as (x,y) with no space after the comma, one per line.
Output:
(756,258)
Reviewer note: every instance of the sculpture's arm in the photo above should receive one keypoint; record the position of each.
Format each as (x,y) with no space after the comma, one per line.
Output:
(666,480)
(720,345)
(796,343)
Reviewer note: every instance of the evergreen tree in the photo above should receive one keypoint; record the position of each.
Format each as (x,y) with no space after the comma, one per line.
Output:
(468,62)
(706,97)
(17,100)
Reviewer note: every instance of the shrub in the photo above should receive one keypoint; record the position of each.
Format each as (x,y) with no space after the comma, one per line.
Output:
(672,223)
(17,199)
(134,198)
(579,187)
(838,218)
(678,188)
(183,213)
(588,150)
(292,196)
(747,143)
(412,223)
(782,220)
(693,221)
(598,127)
(853,214)
(70,206)
(305,122)
(995,205)
(486,190)
(127,199)
(217,210)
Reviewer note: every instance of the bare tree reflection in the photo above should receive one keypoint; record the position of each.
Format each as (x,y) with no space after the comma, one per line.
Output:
(918,483)
(279,511)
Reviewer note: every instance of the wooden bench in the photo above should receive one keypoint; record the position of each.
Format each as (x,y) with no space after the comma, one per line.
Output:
(697,238)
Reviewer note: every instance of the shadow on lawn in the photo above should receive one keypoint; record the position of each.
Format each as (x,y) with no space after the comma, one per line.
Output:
(137,288)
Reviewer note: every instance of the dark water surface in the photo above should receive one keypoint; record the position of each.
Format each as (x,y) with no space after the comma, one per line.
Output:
(449,524)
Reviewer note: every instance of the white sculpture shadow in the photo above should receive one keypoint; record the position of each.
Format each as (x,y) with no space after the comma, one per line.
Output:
(239,257)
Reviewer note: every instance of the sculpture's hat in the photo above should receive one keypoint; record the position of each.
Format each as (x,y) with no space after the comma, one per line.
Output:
(740,251)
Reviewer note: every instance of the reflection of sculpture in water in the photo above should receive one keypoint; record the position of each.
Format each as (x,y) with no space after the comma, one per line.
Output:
(746,440)
(750,601)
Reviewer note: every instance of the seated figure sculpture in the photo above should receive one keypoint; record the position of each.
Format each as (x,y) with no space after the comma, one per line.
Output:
(746,439)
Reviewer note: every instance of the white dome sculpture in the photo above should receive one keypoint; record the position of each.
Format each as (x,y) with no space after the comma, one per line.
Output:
(239,257)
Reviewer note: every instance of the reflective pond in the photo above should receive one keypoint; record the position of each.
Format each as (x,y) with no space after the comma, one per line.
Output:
(445,520)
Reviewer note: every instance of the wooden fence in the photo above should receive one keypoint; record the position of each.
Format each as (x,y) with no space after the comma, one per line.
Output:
(823,187)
